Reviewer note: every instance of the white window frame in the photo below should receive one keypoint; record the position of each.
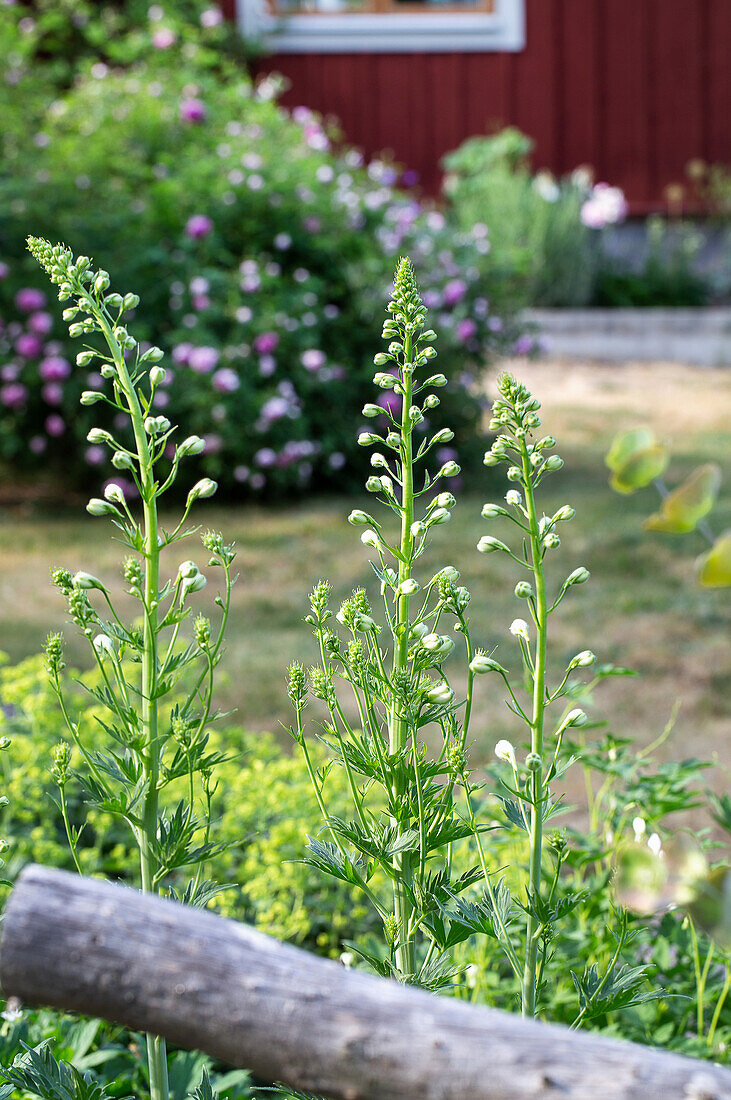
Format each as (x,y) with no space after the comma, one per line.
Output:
(399,32)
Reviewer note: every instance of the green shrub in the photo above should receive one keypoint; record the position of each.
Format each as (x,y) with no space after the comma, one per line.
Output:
(261,251)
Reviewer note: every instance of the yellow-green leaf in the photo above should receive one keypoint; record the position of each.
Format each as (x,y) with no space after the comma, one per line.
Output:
(626,445)
(683,509)
(640,469)
(714,567)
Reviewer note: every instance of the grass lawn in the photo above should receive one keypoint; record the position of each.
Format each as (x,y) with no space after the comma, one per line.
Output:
(641,607)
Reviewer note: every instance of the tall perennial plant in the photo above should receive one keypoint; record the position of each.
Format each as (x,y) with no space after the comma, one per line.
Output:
(156,687)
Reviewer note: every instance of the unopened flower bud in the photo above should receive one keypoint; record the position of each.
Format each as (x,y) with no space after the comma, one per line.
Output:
(88,580)
(533,762)
(358,518)
(91,397)
(366,439)
(157,375)
(98,435)
(488,544)
(514,473)
(552,541)
(84,358)
(567,512)
(579,576)
(99,507)
(202,489)
(122,461)
(440,694)
(481,663)
(519,629)
(553,463)
(583,659)
(449,469)
(385,382)
(104,645)
(513,498)
(372,410)
(523,590)
(369,538)
(490,511)
(114,493)
(446,500)
(373,485)
(409,587)
(576,718)
(193,445)
(418,529)
(505,751)
(439,516)
(446,435)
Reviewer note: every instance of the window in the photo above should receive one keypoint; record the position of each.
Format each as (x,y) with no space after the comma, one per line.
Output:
(332,26)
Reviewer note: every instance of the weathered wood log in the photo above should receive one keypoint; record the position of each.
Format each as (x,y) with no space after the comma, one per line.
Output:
(214,985)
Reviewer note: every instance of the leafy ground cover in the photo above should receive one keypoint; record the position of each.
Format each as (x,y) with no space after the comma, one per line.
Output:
(646,612)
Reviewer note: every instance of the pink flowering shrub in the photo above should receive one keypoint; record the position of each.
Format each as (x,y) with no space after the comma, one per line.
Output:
(261,252)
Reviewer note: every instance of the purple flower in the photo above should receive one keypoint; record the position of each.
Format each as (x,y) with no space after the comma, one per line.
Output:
(203,360)
(127,486)
(454,292)
(267,366)
(213,443)
(266,457)
(37,444)
(432,299)
(52,393)
(28,345)
(466,329)
(226,380)
(523,345)
(10,372)
(313,359)
(181,354)
(199,285)
(390,402)
(29,299)
(55,425)
(193,110)
(274,409)
(266,342)
(4,271)
(54,369)
(200,225)
(40,323)
(95,455)
(13,395)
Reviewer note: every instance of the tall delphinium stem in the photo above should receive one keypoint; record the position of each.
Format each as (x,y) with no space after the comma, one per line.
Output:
(146,753)
(405,820)
(515,412)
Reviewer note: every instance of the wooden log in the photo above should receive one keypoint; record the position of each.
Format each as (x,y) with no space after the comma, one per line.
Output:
(211,984)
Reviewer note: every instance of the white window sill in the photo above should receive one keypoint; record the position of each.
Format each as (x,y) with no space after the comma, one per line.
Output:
(433,32)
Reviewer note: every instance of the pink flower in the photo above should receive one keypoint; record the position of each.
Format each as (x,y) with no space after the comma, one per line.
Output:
(454,292)
(226,380)
(313,359)
(200,225)
(127,486)
(54,369)
(13,395)
(211,17)
(266,457)
(28,345)
(10,372)
(181,354)
(466,329)
(95,455)
(201,301)
(203,360)
(193,110)
(40,323)
(163,38)
(37,444)
(28,299)
(4,271)
(55,425)
(274,409)
(52,393)
(213,443)
(267,366)
(266,342)
(524,345)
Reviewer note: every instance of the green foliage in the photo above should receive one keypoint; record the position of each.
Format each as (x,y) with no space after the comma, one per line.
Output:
(666,275)
(637,460)
(260,248)
(534,222)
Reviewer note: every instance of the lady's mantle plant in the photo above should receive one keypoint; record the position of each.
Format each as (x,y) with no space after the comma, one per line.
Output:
(141,665)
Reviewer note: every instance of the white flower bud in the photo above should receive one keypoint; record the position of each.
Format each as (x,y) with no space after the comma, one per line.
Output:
(505,751)
(436,380)
(98,435)
(513,498)
(122,461)
(87,581)
(449,573)
(533,762)
(445,500)
(202,489)
(654,844)
(114,493)
(446,435)
(373,485)
(193,445)
(188,569)
(439,516)
(523,590)
(579,576)
(566,512)
(576,718)
(157,375)
(91,397)
(418,529)
(385,381)
(449,469)
(514,473)
(84,358)
(369,538)
(103,645)
(519,629)
(481,663)
(488,544)
(419,630)
(490,511)
(365,439)
(358,518)
(440,694)
(639,826)
(409,587)
(553,463)
(379,460)
(372,410)
(583,659)
(99,507)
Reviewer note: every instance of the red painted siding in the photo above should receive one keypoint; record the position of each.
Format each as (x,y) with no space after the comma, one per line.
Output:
(636,88)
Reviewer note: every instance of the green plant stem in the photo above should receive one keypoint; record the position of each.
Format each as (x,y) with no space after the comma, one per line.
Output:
(528,992)
(156,1047)
(398,732)
(719,1005)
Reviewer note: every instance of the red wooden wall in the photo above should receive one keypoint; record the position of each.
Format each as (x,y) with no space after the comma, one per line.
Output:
(635,88)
